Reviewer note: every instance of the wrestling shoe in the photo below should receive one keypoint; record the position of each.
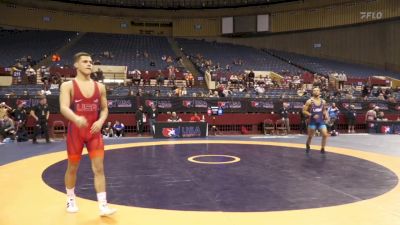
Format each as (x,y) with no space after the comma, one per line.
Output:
(106,211)
(71,205)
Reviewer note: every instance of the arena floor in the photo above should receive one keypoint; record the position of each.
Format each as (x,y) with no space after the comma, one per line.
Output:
(217,180)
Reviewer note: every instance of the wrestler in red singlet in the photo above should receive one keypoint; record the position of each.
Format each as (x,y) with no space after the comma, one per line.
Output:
(83,102)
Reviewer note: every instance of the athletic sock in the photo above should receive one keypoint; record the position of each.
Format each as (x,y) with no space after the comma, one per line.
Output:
(70,192)
(102,199)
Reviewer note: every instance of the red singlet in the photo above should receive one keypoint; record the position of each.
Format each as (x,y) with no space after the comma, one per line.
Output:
(78,137)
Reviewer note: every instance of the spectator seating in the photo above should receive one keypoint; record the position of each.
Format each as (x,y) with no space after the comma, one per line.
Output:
(227,54)
(134,51)
(326,66)
(16,44)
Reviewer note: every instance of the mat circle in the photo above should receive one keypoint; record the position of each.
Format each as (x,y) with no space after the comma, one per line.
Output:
(195,159)
(268,178)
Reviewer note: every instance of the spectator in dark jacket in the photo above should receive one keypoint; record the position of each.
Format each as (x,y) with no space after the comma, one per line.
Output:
(284,112)
(351,118)
(140,120)
(153,113)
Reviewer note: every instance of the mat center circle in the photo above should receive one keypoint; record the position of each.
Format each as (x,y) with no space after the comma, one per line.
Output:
(196,159)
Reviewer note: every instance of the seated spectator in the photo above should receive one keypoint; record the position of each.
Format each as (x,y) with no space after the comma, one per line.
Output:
(391,99)
(214,94)
(108,130)
(45,92)
(250,78)
(93,76)
(317,81)
(130,92)
(348,94)
(226,93)
(55,84)
(241,78)
(365,92)
(99,75)
(4,109)
(259,90)
(233,79)
(195,118)
(146,78)
(189,79)
(136,77)
(20,117)
(268,81)
(139,92)
(179,60)
(302,92)
(97,62)
(342,79)
(31,74)
(242,88)
(157,93)
(55,58)
(45,72)
(223,80)
(160,78)
(169,59)
(119,129)
(381,97)
(381,116)
(184,91)
(7,129)
(174,118)
(178,91)
(296,81)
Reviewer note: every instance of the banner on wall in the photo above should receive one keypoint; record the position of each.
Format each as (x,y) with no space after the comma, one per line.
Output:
(175,104)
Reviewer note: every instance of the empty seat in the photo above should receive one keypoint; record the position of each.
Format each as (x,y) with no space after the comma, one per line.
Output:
(58,129)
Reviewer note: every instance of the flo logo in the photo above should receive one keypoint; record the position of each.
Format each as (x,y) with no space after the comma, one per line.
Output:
(371,15)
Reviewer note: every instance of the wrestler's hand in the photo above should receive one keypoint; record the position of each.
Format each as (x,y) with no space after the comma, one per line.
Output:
(96,127)
(81,121)
(316,117)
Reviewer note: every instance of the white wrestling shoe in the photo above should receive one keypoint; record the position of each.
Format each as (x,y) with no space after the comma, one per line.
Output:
(71,205)
(106,211)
